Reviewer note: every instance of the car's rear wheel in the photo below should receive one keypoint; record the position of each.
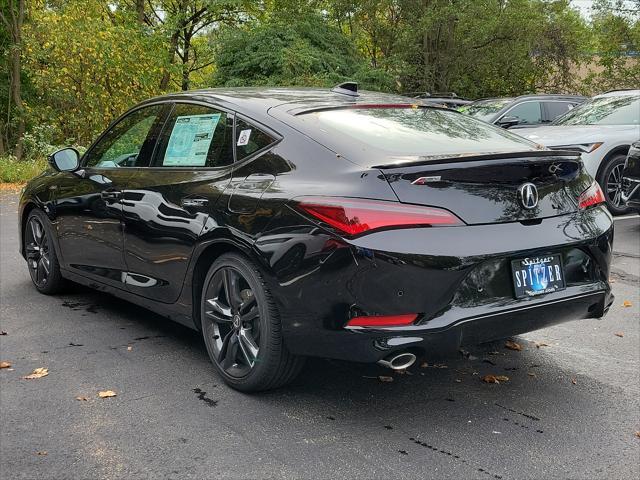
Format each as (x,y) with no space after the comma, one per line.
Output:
(41,254)
(610,179)
(242,329)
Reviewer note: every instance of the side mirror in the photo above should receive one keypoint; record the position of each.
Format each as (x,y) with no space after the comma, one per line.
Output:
(65,160)
(508,121)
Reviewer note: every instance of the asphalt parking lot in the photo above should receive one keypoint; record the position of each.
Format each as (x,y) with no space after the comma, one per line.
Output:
(570,409)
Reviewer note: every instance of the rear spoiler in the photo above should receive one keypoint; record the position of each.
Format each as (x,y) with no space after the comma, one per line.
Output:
(437,159)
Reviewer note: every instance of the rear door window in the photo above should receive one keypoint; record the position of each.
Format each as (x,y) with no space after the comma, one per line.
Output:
(196,136)
(250,139)
(555,109)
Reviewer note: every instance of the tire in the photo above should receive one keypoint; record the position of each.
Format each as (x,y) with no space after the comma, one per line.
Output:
(242,329)
(610,179)
(42,259)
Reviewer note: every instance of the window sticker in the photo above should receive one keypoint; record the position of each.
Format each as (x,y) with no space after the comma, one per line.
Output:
(243,139)
(190,140)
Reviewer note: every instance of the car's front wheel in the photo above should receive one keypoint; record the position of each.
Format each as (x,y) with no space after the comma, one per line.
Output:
(41,254)
(610,179)
(242,329)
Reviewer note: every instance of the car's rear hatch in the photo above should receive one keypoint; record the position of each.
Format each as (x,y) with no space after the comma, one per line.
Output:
(493,188)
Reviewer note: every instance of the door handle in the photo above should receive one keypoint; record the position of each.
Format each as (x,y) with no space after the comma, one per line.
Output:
(111,195)
(194,202)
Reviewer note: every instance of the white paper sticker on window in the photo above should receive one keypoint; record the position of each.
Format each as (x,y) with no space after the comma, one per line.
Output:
(243,139)
(190,140)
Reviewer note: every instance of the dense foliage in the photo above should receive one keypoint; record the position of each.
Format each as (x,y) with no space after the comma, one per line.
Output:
(69,67)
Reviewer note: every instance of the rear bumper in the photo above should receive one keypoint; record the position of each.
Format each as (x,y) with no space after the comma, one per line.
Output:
(369,345)
(457,279)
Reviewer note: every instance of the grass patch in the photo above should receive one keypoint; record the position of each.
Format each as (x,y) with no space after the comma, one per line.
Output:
(13,171)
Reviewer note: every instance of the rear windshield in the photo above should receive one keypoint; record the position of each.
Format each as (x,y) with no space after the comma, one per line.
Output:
(382,135)
(614,110)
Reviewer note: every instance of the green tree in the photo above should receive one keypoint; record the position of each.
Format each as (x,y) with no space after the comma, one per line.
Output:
(89,61)
(307,52)
(12,17)
(616,45)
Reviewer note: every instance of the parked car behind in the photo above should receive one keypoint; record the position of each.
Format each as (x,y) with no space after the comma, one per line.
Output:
(523,111)
(286,223)
(631,178)
(602,131)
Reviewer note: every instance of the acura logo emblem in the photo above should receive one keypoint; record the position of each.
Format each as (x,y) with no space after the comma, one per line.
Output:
(528,194)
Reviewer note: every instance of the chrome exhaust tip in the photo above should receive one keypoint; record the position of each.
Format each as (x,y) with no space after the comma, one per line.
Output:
(399,361)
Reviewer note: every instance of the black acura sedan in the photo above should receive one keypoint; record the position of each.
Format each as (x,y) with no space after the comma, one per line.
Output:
(284,223)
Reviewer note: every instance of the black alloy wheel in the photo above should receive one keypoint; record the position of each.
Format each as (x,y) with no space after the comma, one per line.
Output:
(232,309)
(611,182)
(41,255)
(241,327)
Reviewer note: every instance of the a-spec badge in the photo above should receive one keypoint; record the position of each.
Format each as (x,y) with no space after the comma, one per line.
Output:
(424,180)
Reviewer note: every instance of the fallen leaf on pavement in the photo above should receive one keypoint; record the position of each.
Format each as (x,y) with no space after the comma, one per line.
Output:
(619,334)
(531,374)
(513,345)
(384,378)
(129,348)
(37,373)
(495,378)
(638,434)
(5,365)
(574,381)
(82,399)
(42,453)
(626,303)
(540,344)
(107,394)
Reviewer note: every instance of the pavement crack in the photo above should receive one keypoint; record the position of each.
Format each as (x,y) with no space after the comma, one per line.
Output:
(202,395)
(624,277)
(454,456)
(527,415)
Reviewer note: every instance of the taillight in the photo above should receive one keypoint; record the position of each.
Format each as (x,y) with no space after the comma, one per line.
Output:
(591,196)
(355,216)
(382,320)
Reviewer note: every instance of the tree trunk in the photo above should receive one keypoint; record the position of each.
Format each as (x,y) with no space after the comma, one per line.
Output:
(166,75)
(140,11)
(185,61)
(16,13)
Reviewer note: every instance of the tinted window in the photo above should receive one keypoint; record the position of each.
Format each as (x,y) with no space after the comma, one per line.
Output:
(127,143)
(485,109)
(376,136)
(528,113)
(555,109)
(615,110)
(196,136)
(250,139)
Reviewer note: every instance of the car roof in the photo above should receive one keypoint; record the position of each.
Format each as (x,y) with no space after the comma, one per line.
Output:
(533,96)
(259,100)
(618,93)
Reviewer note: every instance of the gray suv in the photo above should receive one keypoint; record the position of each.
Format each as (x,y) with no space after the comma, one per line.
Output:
(522,111)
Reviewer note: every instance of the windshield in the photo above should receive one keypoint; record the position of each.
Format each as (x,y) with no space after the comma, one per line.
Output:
(486,109)
(617,110)
(379,136)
